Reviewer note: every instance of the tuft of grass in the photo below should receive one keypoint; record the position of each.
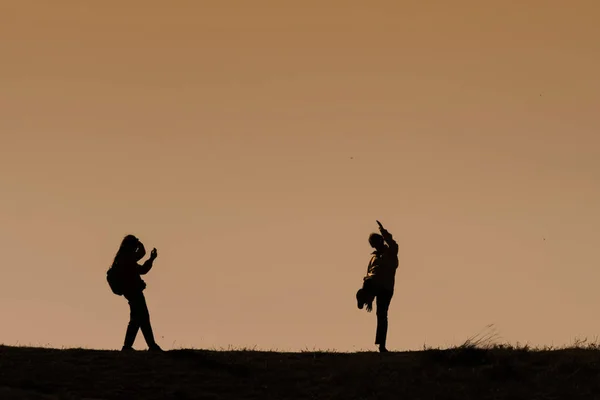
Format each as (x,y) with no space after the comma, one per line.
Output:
(486,339)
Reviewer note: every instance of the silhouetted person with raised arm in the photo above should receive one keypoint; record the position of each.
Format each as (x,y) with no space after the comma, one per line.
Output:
(379,282)
(124,278)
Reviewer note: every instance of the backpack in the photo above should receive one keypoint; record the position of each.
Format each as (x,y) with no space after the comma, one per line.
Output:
(115,281)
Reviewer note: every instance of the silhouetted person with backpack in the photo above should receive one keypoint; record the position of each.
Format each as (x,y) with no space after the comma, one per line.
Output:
(379,282)
(124,278)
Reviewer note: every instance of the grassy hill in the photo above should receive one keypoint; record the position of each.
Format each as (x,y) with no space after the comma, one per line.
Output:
(465,372)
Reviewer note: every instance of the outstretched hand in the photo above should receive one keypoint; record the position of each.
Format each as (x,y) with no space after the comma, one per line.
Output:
(153,253)
(380,226)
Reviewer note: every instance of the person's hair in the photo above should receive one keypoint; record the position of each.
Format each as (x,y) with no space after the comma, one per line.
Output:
(128,246)
(375,239)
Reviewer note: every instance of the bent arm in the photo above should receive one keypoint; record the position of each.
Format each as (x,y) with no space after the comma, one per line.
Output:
(393,245)
(371,265)
(145,267)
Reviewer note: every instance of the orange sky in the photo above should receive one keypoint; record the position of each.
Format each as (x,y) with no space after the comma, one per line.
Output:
(255,143)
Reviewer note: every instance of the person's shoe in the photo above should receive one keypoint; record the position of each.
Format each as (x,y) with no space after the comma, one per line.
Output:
(360,299)
(127,348)
(382,349)
(155,348)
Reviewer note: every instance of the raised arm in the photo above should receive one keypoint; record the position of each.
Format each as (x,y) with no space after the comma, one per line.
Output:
(147,266)
(388,238)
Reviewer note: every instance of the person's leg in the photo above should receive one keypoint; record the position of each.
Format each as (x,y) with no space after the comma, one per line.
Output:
(361,295)
(384,299)
(141,319)
(365,295)
(370,291)
(145,325)
(133,326)
(360,298)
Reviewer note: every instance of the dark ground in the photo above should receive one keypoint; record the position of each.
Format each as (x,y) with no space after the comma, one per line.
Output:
(459,373)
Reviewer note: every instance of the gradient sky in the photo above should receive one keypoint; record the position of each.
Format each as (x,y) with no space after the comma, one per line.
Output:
(255,143)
